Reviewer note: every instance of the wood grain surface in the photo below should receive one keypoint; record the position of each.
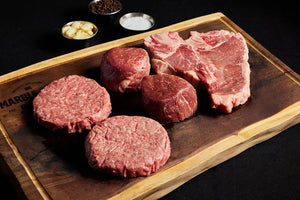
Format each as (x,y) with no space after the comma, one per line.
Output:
(49,165)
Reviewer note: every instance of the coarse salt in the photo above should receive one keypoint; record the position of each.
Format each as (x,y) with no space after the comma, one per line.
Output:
(137,23)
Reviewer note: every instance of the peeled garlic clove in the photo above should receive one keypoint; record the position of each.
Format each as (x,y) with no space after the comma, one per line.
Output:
(71,32)
(65,29)
(87,26)
(76,25)
(81,35)
(90,32)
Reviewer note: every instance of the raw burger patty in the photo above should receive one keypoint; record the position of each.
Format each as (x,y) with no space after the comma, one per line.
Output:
(73,103)
(168,98)
(128,146)
(122,69)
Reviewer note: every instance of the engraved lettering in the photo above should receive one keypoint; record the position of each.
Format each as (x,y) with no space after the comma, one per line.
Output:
(18,99)
(25,96)
(11,102)
(3,104)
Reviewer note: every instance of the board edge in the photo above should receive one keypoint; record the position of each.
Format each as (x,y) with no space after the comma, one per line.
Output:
(52,62)
(25,166)
(105,46)
(154,187)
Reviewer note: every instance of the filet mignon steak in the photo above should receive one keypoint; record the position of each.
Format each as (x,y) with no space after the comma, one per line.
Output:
(128,146)
(122,69)
(168,98)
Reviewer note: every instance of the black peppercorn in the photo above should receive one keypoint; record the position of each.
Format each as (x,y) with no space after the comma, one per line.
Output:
(106,6)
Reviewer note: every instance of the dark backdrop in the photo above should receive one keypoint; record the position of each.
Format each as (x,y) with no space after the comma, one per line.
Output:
(30,32)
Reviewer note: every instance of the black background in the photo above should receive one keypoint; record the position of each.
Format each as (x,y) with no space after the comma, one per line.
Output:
(30,32)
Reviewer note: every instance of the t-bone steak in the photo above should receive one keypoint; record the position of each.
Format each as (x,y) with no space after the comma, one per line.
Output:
(216,61)
(128,146)
(122,69)
(73,103)
(168,98)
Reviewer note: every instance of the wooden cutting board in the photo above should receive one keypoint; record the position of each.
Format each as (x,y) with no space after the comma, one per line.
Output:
(48,165)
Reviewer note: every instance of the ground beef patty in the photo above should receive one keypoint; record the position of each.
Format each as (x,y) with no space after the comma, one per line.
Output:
(168,98)
(73,103)
(128,146)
